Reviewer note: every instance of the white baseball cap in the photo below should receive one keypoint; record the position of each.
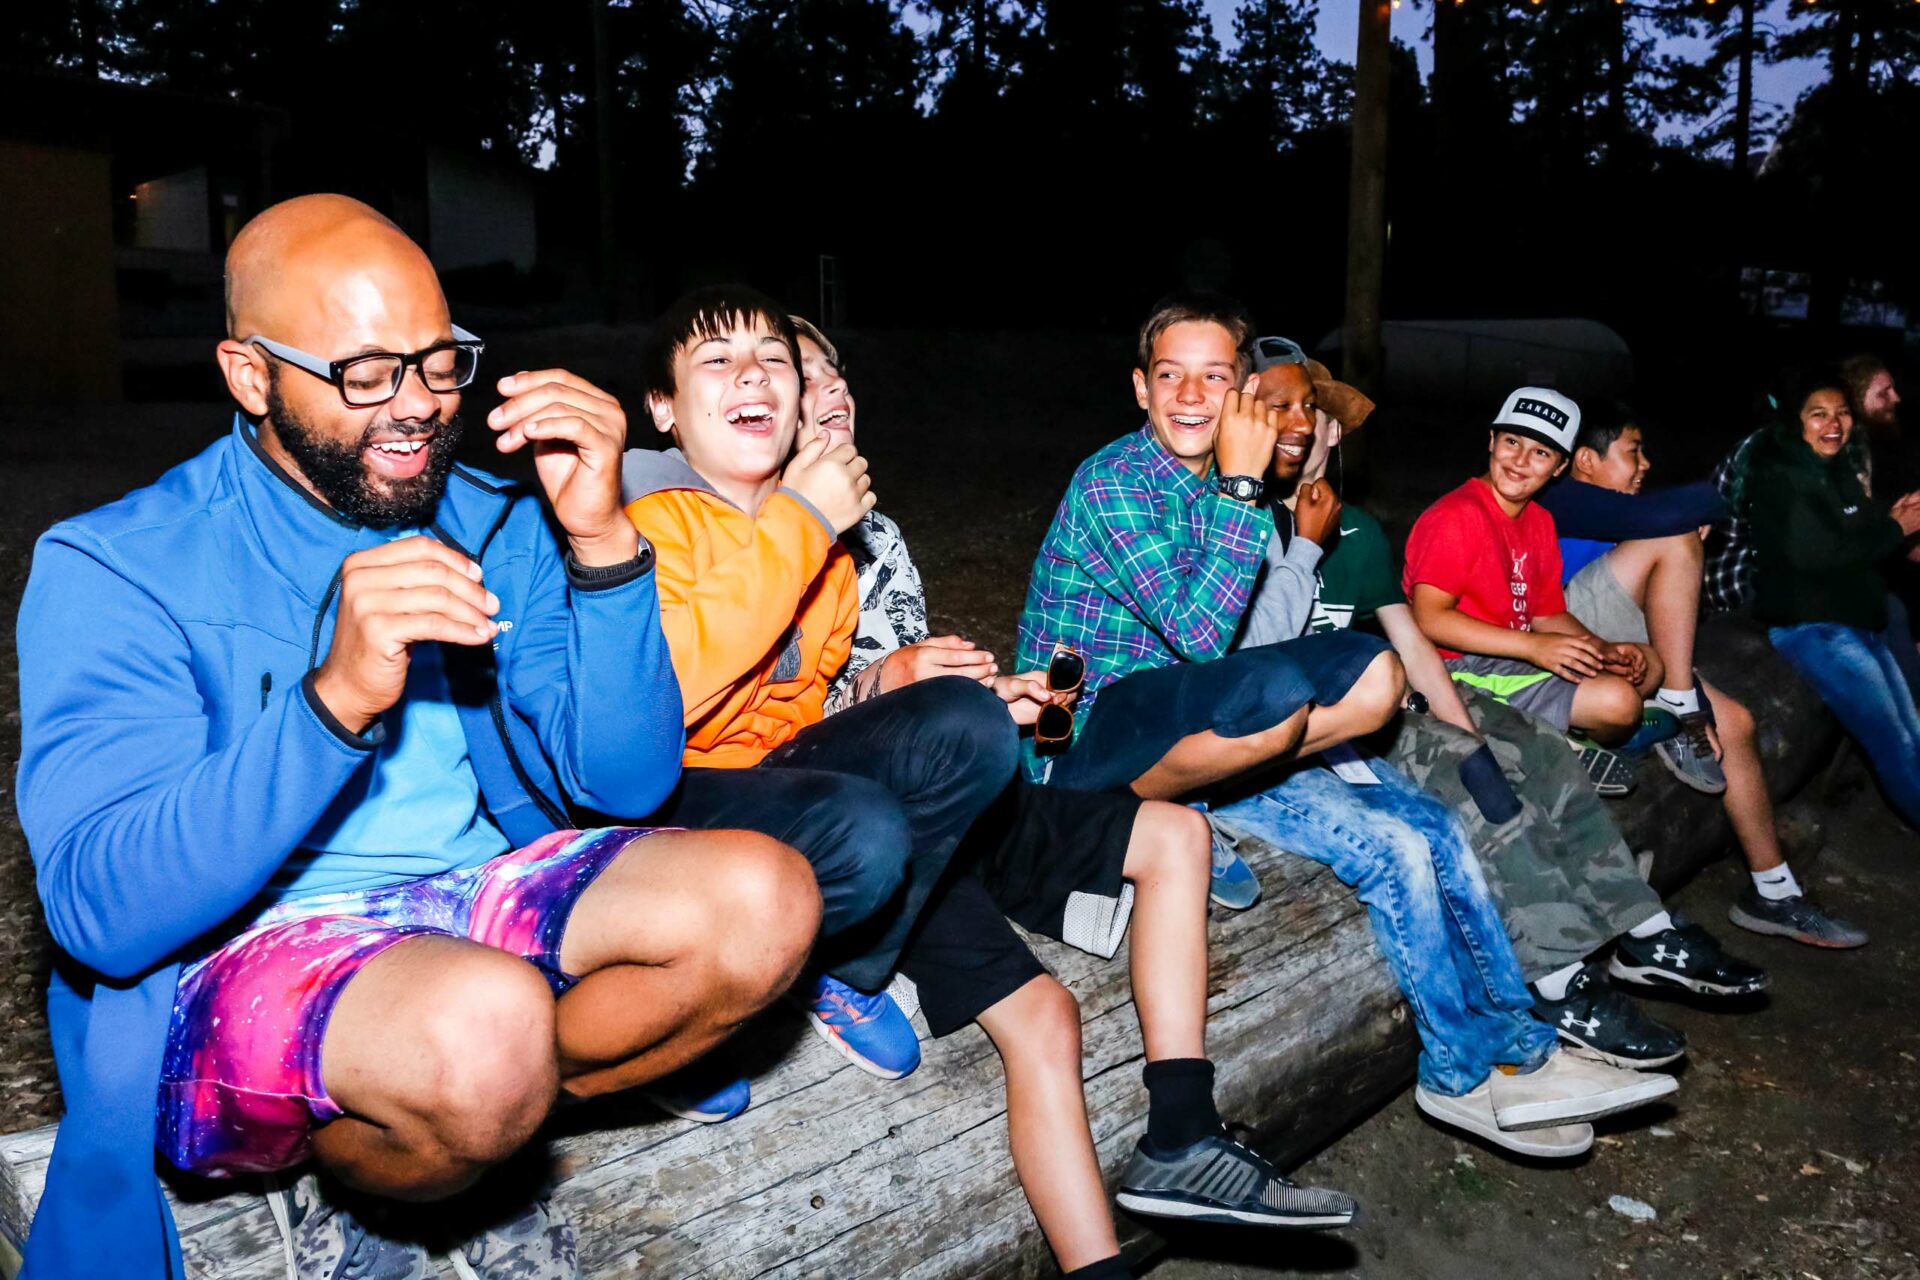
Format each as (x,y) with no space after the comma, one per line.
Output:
(1541,414)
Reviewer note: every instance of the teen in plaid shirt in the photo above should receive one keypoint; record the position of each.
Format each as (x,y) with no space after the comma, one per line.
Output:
(1148,568)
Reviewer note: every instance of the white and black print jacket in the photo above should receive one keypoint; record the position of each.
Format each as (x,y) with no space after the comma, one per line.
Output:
(893,604)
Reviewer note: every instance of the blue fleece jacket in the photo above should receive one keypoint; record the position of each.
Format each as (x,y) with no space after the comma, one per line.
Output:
(173,755)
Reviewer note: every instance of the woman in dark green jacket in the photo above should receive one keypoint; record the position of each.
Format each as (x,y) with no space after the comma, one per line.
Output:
(1819,542)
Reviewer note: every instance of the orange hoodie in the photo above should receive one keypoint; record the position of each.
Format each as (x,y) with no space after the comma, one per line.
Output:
(759,613)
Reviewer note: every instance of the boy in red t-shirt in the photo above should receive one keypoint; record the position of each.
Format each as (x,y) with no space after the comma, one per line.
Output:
(1483,576)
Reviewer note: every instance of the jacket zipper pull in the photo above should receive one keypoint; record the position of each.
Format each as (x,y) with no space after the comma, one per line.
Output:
(266,687)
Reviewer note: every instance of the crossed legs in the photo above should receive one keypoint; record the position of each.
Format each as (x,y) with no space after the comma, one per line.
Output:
(446,1054)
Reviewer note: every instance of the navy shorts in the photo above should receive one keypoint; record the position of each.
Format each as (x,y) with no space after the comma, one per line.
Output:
(1137,719)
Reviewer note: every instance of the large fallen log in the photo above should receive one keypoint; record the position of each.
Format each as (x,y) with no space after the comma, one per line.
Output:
(1685,830)
(834,1173)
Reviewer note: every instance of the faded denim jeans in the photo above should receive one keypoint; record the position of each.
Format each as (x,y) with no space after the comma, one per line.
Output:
(1856,675)
(1408,860)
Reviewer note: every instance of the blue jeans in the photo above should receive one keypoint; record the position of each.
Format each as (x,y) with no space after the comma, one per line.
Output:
(1407,858)
(1856,675)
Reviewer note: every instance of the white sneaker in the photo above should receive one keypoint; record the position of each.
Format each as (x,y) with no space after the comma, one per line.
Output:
(1473,1112)
(1568,1089)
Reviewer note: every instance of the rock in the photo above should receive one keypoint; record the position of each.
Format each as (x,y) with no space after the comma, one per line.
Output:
(1628,1207)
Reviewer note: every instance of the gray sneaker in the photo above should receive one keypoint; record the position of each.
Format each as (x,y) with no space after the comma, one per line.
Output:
(1609,771)
(325,1242)
(1798,917)
(1220,1180)
(535,1244)
(1688,756)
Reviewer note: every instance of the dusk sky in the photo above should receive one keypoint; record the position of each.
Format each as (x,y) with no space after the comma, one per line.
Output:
(1779,86)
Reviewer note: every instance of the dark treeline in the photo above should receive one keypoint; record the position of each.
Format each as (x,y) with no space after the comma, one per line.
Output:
(1055,163)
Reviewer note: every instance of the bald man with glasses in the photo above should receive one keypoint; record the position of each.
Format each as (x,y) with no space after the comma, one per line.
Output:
(302,726)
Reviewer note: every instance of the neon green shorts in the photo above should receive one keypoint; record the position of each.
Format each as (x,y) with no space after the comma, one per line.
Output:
(1518,684)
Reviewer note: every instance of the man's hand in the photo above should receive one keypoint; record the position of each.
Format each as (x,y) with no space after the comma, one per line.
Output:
(1316,512)
(1570,657)
(1624,659)
(578,432)
(391,598)
(939,656)
(1026,693)
(1243,445)
(834,479)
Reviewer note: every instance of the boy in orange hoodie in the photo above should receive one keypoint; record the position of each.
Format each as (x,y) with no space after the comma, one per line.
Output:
(759,602)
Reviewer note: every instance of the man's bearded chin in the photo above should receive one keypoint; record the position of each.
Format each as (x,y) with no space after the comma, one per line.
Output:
(338,472)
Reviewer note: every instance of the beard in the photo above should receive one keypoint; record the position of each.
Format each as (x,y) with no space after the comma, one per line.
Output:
(338,472)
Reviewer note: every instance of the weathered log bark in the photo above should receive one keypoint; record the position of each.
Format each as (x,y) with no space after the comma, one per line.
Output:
(835,1173)
(1684,829)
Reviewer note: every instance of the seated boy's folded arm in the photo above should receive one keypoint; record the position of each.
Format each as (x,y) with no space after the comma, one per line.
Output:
(1193,596)
(721,620)
(1441,618)
(144,835)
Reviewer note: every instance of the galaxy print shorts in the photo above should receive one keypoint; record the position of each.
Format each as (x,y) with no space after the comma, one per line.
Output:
(241,1089)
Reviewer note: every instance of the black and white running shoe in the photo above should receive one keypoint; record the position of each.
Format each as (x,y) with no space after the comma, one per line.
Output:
(1598,1018)
(1685,956)
(1220,1180)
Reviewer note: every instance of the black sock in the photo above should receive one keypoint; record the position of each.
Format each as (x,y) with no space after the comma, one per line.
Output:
(1179,1103)
(1114,1268)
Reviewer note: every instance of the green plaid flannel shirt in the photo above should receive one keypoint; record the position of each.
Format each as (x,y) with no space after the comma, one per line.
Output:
(1145,564)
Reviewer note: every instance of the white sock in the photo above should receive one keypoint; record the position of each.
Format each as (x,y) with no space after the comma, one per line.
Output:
(1679,701)
(1554,985)
(1776,883)
(1659,923)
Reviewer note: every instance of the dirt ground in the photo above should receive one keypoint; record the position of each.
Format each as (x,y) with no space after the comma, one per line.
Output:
(1791,1150)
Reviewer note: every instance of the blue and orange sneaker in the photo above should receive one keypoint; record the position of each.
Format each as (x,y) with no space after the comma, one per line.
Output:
(699,1092)
(869,1031)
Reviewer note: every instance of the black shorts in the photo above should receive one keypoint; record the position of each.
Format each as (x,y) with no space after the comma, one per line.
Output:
(1049,858)
(1138,718)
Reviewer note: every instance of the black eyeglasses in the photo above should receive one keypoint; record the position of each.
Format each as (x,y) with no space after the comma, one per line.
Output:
(1066,672)
(375,378)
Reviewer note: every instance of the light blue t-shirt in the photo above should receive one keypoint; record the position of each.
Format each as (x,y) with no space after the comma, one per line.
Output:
(412,810)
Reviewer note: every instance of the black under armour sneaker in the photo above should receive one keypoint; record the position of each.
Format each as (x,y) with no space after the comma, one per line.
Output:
(1220,1180)
(1598,1018)
(1685,956)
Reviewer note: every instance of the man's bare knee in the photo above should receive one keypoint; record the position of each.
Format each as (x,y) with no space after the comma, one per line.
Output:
(766,912)
(489,1062)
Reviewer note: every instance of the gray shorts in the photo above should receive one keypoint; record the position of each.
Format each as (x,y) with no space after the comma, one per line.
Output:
(1539,693)
(1595,596)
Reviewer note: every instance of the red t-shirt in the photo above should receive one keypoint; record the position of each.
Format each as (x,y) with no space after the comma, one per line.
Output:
(1504,571)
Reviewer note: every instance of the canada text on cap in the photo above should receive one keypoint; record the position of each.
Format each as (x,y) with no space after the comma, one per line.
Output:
(1541,414)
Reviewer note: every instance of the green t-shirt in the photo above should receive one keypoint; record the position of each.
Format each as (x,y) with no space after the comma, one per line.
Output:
(1356,575)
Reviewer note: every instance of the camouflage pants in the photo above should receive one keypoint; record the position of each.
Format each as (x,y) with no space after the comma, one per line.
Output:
(1561,872)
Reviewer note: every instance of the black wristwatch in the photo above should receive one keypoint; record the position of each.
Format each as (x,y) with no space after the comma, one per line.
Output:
(1245,488)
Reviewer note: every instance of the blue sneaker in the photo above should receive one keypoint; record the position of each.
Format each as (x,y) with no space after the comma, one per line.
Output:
(868,1031)
(1234,887)
(1657,725)
(695,1093)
